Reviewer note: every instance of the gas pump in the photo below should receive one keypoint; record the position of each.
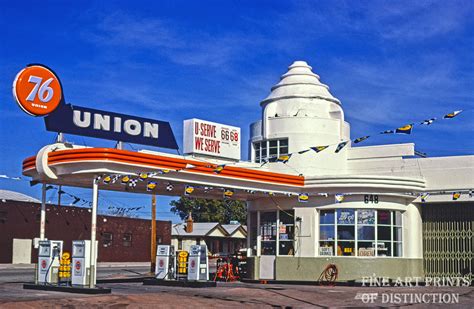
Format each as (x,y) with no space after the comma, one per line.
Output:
(49,254)
(198,264)
(81,262)
(165,262)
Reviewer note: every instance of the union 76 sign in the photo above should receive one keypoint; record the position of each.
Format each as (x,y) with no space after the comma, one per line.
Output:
(38,92)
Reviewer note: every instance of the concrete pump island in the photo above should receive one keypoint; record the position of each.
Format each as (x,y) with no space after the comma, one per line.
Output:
(318,203)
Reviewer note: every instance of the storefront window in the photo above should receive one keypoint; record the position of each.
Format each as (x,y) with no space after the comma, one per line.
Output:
(268,232)
(397,234)
(286,231)
(327,232)
(360,232)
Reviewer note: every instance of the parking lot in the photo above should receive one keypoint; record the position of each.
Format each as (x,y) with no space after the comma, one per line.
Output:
(12,295)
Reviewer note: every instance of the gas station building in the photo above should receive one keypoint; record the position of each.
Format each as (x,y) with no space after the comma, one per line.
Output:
(364,212)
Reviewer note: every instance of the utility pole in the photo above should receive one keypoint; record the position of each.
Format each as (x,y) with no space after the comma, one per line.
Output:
(59,195)
(153,234)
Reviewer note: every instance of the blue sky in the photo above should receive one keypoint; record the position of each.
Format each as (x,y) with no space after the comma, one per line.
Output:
(389,62)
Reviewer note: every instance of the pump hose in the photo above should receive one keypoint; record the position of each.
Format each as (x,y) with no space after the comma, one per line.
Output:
(329,275)
(170,272)
(47,272)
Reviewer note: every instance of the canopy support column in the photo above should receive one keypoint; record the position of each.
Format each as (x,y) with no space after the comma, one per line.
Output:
(43,212)
(95,196)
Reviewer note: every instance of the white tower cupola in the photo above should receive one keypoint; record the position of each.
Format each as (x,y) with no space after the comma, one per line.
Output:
(301,113)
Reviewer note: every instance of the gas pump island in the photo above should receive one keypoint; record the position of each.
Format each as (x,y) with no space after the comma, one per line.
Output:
(197,272)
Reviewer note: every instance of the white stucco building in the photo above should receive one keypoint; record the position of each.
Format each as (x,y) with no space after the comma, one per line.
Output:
(380,226)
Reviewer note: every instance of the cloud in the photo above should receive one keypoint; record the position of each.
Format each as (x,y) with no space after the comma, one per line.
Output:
(394,90)
(412,21)
(397,21)
(170,39)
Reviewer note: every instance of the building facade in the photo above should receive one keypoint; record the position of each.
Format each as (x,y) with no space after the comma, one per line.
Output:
(221,239)
(364,213)
(120,239)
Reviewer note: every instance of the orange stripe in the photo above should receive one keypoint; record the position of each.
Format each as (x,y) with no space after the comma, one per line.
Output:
(125,156)
(29,163)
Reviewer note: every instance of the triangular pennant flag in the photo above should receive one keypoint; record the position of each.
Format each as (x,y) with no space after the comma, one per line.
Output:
(323,194)
(188,190)
(340,146)
(339,198)
(164,171)
(142,176)
(151,185)
(319,148)
(456,195)
(284,158)
(303,151)
(125,179)
(219,168)
(228,193)
(428,121)
(405,129)
(152,174)
(424,196)
(115,178)
(387,132)
(452,115)
(133,183)
(303,197)
(107,179)
(361,139)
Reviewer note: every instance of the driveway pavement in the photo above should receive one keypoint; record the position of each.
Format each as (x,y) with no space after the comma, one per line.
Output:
(233,295)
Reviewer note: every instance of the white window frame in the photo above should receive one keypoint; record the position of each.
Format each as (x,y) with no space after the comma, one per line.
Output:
(356,236)
(259,158)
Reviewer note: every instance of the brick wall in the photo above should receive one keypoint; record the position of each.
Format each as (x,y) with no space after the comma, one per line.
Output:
(130,237)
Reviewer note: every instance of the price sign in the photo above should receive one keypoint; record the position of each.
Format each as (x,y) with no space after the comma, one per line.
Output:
(37,90)
(211,139)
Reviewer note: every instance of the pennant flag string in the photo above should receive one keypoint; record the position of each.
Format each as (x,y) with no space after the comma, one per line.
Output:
(406,129)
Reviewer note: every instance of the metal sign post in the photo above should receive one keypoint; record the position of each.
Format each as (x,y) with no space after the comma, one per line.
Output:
(93,259)
(43,212)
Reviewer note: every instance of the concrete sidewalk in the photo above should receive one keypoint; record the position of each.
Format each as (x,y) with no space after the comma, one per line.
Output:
(100,265)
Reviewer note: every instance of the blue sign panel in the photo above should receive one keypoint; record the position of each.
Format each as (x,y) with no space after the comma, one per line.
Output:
(113,126)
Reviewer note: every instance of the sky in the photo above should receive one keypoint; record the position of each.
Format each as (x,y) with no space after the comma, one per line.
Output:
(389,62)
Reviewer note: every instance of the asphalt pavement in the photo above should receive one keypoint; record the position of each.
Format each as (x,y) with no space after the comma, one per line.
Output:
(241,295)
(25,273)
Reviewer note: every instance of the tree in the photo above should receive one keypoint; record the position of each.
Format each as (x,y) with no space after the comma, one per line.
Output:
(203,210)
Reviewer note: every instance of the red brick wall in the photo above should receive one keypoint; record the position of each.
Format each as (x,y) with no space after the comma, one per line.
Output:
(69,223)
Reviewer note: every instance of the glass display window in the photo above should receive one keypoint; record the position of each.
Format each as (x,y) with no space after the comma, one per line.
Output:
(360,232)
(345,216)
